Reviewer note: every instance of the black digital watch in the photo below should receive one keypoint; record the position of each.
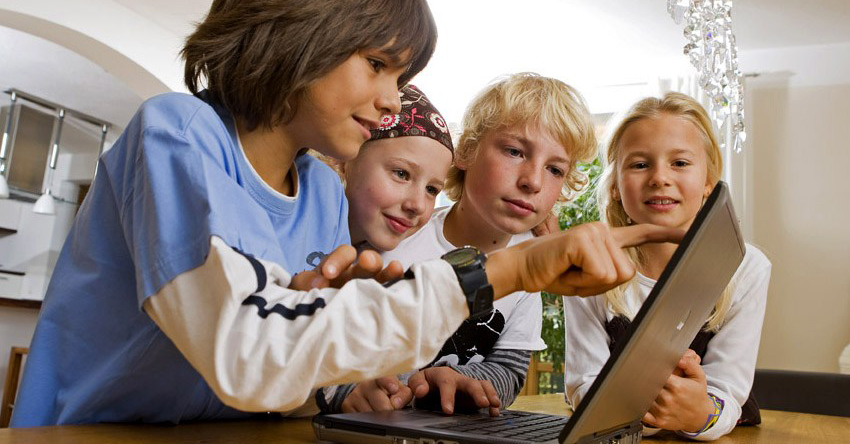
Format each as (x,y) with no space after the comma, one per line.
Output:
(468,264)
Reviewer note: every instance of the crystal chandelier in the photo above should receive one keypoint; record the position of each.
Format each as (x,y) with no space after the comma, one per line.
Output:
(712,50)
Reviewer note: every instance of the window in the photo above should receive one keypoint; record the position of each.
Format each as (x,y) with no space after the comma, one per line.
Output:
(28,148)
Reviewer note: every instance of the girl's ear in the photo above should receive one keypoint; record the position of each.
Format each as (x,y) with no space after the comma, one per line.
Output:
(708,188)
(615,193)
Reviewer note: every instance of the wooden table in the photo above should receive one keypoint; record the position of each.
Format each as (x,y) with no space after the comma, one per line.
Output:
(776,428)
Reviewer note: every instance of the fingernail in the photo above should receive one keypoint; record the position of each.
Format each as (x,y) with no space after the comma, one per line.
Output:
(330,269)
(449,407)
(317,282)
(397,403)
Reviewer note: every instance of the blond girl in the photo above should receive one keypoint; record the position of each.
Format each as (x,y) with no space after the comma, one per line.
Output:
(662,161)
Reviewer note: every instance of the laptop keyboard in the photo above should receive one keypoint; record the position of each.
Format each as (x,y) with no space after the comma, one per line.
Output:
(524,426)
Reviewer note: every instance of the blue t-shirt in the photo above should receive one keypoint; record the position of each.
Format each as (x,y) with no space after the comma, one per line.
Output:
(175,177)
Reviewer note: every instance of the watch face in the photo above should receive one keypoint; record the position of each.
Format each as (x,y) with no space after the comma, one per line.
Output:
(462,256)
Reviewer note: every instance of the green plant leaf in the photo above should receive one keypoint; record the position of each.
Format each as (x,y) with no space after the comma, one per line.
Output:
(575,212)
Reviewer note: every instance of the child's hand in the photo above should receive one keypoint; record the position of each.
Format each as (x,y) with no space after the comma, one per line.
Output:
(585,260)
(683,403)
(378,395)
(342,265)
(454,388)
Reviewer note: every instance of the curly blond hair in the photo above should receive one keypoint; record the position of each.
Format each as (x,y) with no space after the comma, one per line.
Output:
(521,100)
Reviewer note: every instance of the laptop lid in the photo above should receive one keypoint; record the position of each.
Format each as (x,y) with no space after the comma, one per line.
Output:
(669,319)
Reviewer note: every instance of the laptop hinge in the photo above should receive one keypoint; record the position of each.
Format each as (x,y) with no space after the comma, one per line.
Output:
(628,434)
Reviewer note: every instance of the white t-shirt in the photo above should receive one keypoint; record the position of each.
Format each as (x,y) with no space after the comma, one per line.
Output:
(523,311)
(730,359)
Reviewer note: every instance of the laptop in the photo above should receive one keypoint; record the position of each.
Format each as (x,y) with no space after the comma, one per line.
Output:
(611,411)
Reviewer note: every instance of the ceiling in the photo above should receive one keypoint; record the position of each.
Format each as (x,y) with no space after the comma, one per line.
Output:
(759,24)
(586,41)
(177,17)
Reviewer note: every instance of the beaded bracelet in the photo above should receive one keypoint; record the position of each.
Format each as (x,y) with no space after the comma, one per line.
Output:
(712,418)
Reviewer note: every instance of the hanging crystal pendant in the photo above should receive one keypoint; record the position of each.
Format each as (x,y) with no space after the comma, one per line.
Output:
(677,9)
(712,49)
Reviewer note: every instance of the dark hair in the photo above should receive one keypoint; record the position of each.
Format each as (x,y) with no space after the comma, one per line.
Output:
(257,57)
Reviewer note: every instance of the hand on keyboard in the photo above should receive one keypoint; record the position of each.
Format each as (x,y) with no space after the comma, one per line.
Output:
(441,388)
(382,394)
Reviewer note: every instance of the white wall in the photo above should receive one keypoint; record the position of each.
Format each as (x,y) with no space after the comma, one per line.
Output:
(133,49)
(798,186)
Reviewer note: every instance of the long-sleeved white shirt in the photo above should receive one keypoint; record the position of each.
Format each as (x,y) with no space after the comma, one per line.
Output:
(263,347)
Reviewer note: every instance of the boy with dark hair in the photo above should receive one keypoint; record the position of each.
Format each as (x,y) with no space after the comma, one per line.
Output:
(169,300)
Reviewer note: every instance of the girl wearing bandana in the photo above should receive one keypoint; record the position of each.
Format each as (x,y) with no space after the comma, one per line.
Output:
(393,182)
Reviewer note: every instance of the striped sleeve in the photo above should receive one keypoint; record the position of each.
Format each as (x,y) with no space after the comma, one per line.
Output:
(334,397)
(505,369)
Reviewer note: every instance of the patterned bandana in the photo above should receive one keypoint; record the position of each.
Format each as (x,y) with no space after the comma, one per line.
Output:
(418,117)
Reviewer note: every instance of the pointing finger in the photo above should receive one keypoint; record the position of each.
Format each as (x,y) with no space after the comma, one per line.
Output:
(635,235)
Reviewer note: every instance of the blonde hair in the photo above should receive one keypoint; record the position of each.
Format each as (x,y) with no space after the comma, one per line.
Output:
(673,104)
(527,99)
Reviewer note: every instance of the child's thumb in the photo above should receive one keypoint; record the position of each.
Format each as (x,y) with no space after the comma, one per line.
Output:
(691,367)
(418,384)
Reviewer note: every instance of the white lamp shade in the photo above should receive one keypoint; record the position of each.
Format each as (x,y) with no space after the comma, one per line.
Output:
(44,205)
(4,187)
